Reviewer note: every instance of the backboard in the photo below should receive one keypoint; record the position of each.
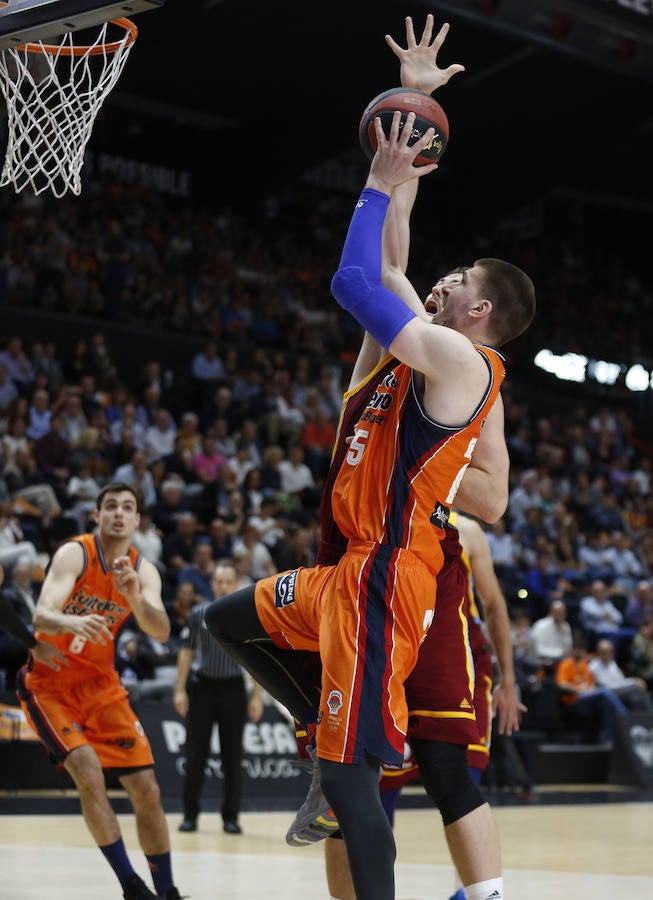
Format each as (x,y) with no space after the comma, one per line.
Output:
(22,21)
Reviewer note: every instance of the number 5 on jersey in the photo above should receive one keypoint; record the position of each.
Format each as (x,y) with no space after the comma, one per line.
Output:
(357,446)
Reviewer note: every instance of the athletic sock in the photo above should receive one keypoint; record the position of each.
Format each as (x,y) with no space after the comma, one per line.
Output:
(492,889)
(116,856)
(161,868)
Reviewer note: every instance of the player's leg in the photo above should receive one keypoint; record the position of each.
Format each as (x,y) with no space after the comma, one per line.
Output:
(152,829)
(338,874)
(83,766)
(85,769)
(353,792)
(234,622)
(469,826)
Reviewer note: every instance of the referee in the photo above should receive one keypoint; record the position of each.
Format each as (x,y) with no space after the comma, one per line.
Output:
(213,692)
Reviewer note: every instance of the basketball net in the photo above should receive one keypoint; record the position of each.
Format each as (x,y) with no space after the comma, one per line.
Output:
(53,94)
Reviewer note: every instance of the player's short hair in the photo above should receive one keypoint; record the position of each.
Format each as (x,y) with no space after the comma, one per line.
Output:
(117,487)
(512,293)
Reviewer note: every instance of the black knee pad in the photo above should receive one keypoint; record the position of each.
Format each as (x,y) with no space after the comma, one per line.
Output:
(446,778)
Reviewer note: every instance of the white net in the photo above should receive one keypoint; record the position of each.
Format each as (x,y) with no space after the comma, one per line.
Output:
(53,94)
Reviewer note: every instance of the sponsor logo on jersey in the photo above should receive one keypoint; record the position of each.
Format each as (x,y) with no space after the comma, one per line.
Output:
(125,743)
(284,590)
(440,515)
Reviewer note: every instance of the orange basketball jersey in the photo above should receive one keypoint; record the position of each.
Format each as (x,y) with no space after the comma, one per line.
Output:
(95,592)
(401,472)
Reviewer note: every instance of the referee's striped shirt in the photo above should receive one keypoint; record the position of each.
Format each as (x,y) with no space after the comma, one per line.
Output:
(210,660)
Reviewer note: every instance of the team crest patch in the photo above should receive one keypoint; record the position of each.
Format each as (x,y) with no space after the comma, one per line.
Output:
(284,589)
(334,702)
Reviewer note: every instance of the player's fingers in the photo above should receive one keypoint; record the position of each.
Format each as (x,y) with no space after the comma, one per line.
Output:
(394,46)
(440,36)
(410,33)
(428,30)
(394,128)
(380,134)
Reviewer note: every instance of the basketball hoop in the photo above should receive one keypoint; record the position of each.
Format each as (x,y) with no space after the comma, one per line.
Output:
(53,94)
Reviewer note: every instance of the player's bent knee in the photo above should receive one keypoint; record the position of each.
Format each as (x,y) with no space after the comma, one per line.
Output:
(447,778)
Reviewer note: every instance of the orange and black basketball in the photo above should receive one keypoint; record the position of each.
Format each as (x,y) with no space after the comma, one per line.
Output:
(428,114)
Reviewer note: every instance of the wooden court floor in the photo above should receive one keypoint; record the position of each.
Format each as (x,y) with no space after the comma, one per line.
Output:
(599,851)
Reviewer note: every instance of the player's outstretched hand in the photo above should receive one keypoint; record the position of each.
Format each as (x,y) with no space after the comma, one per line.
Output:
(419,59)
(393,161)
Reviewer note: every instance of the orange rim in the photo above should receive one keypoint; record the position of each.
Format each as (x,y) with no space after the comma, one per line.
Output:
(81,50)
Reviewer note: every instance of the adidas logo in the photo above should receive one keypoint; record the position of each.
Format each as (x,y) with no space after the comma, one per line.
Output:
(495,895)
(465,704)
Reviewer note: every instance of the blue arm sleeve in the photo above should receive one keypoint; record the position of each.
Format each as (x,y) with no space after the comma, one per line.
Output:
(357,284)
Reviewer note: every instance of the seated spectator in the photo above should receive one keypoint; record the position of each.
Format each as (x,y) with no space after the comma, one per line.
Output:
(221,539)
(248,541)
(297,479)
(268,523)
(82,491)
(592,554)
(641,653)
(225,443)
(19,368)
(160,436)
(207,462)
(179,461)
(632,692)
(147,409)
(206,366)
(251,490)
(12,545)
(522,646)
(317,438)
(12,441)
(39,415)
(626,567)
(600,617)
(524,496)
(179,544)
(53,454)
(137,475)
(21,592)
(295,549)
(544,583)
(148,540)
(581,696)
(270,473)
(640,604)
(145,666)
(8,390)
(128,421)
(249,435)
(73,420)
(242,462)
(201,569)
(551,636)
(189,433)
(235,516)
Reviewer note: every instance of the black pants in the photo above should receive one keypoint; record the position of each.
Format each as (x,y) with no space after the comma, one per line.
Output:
(223,701)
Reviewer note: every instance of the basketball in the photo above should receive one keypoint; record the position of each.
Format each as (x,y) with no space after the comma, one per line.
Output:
(428,114)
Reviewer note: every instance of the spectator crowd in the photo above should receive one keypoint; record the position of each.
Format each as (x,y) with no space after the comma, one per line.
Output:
(230,455)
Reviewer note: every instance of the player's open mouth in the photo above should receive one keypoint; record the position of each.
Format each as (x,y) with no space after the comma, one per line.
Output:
(432,306)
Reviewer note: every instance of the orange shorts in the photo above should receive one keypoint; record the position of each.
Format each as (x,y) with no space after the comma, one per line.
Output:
(67,713)
(367,616)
